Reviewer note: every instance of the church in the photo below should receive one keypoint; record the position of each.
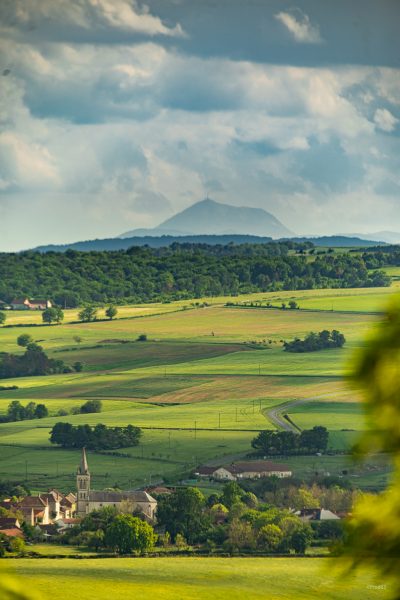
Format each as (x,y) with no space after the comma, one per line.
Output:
(89,500)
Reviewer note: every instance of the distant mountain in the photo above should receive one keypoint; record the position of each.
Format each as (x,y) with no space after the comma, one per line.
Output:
(214,218)
(167,240)
(390,237)
(153,242)
(340,241)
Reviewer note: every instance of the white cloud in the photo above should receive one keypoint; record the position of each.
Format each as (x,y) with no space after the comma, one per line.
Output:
(124,15)
(300,26)
(384,120)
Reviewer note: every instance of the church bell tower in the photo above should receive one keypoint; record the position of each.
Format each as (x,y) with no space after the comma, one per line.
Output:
(83,486)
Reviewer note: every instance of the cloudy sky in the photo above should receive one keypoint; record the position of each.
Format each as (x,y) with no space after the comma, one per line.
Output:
(115,114)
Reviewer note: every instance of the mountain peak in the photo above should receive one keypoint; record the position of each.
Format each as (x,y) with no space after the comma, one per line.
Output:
(216,218)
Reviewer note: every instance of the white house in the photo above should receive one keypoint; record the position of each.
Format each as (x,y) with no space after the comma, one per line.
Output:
(245,470)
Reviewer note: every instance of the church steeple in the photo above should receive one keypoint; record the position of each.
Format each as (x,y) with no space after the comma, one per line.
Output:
(83,486)
(83,468)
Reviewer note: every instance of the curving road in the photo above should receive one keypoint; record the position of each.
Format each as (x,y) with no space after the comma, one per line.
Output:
(275,414)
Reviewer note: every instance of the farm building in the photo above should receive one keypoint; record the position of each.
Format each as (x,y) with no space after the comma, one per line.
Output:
(89,500)
(316,514)
(244,470)
(27,304)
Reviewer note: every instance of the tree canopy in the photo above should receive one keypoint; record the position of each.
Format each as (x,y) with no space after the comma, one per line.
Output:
(181,271)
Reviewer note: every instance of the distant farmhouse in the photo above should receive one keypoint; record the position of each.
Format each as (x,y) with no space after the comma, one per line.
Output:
(244,470)
(89,500)
(27,304)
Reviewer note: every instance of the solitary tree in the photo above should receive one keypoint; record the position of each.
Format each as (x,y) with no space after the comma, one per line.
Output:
(87,314)
(111,312)
(128,534)
(24,339)
(52,315)
(3,317)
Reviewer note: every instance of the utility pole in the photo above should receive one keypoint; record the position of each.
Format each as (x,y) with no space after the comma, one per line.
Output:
(195,430)
(259,368)
(219,420)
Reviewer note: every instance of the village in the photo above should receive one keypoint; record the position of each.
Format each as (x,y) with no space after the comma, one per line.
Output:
(51,515)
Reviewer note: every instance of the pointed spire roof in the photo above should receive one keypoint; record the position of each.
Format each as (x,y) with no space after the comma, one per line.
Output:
(83,467)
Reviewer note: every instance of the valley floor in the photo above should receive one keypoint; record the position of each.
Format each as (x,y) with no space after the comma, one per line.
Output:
(187,578)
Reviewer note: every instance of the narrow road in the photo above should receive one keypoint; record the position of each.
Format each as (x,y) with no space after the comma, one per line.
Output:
(275,414)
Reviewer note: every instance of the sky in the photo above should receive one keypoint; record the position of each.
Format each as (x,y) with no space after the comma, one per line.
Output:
(116,114)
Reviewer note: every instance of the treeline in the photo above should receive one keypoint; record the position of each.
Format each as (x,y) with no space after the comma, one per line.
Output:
(376,258)
(181,271)
(316,341)
(17,412)
(34,361)
(287,443)
(99,437)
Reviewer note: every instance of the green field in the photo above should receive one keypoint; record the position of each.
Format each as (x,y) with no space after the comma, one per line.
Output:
(197,578)
(200,387)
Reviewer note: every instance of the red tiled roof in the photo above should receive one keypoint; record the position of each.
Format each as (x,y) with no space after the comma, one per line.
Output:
(13,532)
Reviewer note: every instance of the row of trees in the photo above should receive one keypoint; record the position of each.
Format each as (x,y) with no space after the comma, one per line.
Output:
(316,341)
(181,271)
(287,443)
(34,361)
(17,412)
(89,313)
(99,437)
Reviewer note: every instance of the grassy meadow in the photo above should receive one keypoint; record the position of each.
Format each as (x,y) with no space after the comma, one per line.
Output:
(200,387)
(195,578)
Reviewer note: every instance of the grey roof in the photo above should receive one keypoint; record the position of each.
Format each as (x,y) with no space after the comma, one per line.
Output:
(101,496)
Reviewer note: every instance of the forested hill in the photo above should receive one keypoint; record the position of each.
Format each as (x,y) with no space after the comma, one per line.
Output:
(161,241)
(143,274)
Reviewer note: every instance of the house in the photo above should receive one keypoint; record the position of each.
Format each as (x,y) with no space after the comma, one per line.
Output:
(205,471)
(89,500)
(35,509)
(225,473)
(261,468)
(316,514)
(27,304)
(20,304)
(13,532)
(9,523)
(53,499)
(66,523)
(68,505)
(245,470)
(39,304)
